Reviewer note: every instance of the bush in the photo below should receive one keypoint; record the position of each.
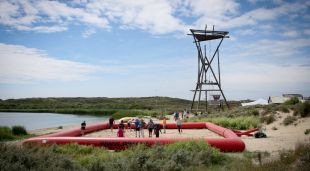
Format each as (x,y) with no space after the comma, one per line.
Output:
(292,101)
(6,134)
(284,109)
(127,113)
(176,156)
(289,120)
(307,131)
(33,158)
(19,130)
(241,122)
(255,112)
(303,109)
(268,119)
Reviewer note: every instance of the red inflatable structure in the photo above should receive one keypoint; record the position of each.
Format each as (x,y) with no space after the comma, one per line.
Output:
(230,143)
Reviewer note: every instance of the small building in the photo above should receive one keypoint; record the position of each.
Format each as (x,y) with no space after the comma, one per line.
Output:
(299,96)
(277,99)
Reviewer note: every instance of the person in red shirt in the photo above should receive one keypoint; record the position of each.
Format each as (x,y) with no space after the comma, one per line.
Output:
(120,132)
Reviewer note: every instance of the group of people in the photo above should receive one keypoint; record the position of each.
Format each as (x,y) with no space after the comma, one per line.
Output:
(139,125)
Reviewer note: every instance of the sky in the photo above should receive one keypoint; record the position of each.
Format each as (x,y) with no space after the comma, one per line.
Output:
(140,48)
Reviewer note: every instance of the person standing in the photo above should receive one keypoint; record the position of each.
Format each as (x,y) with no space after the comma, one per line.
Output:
(150,127)
(142,125)
(157,129)
(111,123)
(83,127)
(164,124)
(179,125)
(137,126)
(120,132)
(129,124)
(121,125)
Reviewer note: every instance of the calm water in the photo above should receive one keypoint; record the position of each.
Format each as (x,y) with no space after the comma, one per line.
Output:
(33,121)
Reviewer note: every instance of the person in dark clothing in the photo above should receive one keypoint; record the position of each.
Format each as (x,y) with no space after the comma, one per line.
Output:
(121,125)
(150,126)
(157,129)
(83,127)
(111,123)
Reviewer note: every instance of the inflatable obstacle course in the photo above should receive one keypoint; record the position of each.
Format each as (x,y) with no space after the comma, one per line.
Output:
(230,143)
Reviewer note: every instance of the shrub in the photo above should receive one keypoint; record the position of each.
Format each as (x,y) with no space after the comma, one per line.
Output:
(292,101)
(284,109)
(127,113)
(307,131)
(6,134)
(241,122)
(289,120)
(19,130)
(255,112)
(33,158)
(268,119)
(303,109)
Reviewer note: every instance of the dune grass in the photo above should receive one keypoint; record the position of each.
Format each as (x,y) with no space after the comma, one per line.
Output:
(178,156)
(14,133)
(240,122)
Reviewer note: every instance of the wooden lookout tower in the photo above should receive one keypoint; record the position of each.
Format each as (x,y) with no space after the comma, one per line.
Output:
(209,73)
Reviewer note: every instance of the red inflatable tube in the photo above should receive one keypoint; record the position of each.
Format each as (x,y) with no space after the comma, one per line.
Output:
(231,142)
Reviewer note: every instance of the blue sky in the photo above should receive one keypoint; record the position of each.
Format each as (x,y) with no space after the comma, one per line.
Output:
(137,48)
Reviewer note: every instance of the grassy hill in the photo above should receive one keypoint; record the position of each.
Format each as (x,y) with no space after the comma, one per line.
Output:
(95,103)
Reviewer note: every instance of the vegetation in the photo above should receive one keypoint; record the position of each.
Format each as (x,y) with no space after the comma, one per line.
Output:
(268,119)
(292,101)
(289,120)
(290,160)
(15,158)
(17,132)
(178,156)
(6,134)
(307,131)
(239,122)
(89,105)
(302,109)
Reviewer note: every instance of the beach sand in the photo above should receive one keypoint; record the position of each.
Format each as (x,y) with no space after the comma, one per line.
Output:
(170,133)
(285,137)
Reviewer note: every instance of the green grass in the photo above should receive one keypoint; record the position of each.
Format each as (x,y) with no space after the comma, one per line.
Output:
(240,122)
(14,133)
(178,156)
(6,134)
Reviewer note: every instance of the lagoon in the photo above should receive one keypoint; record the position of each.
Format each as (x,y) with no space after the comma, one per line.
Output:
(32,121)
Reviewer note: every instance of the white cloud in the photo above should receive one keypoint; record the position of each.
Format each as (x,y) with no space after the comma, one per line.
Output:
(46,16)
(258,80)
(307,32)
(272,49)
(291,33)
(155,16)
(87,33)
(19,64)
